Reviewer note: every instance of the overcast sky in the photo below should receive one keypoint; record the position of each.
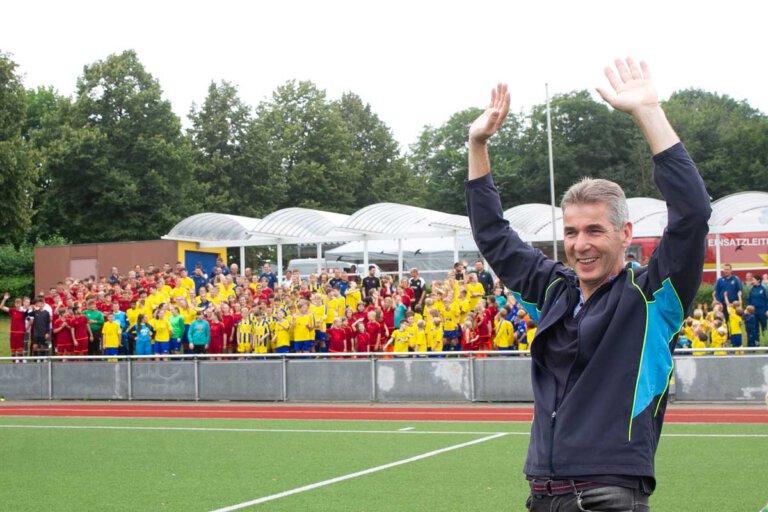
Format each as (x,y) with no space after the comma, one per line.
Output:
(415,62)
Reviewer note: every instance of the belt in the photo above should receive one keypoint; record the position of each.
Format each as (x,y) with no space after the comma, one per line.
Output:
(558,487)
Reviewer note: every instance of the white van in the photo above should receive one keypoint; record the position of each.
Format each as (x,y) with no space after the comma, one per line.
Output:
(307,266)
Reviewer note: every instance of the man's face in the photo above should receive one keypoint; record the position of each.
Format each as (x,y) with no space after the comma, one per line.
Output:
(594,247)
(479,266)
(371,272)
(727,270)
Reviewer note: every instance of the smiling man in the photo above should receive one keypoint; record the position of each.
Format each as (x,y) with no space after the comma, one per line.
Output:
(602,355)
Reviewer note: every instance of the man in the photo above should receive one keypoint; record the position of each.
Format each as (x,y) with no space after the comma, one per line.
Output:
(483,277)
(336,279)
(114,276)
(727,285)
(267,273)
(40,328)
(758,299)
(95,322)
(602,353)
(419,287)
(371,282)
(458,268)
(199,280)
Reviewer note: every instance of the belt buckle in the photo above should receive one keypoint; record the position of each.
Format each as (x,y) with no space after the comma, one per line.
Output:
(549,487)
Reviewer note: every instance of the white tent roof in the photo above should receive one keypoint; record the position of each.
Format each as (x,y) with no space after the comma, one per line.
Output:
(742,212)
(740,209)
(212,226)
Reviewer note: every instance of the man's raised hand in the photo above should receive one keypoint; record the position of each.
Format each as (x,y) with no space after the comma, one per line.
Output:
(635,94)
(491,120)
(633,89)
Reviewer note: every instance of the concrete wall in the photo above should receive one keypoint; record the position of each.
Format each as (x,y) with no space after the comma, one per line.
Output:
(493,379)
(715,378)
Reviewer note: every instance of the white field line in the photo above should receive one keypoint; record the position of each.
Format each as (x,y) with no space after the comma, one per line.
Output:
(276,430)
(357,474)
(267,410)
(331,431)
(405,429)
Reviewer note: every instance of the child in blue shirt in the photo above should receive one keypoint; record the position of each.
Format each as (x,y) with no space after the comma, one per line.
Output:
(144,333)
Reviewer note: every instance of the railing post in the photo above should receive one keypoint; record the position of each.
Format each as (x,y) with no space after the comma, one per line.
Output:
(50,379)
(197,379)
(471,362)
(130,378)
(285,378)
(373,378)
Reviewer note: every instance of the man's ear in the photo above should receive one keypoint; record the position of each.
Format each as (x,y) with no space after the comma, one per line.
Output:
(626,233)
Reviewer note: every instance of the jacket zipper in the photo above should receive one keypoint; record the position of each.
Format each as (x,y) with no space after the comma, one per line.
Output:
(552,444)
(565,393)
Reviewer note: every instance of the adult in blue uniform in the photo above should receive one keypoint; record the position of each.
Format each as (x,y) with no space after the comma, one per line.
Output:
(758,297)
(602,355)
(727,286)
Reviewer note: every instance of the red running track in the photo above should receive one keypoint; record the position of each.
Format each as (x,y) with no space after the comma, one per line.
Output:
(449,413)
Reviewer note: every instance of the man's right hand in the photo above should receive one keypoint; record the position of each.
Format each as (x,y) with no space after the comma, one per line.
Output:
(491,120)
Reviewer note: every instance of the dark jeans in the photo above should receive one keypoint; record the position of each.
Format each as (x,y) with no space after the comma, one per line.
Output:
(94,345)
(602,499)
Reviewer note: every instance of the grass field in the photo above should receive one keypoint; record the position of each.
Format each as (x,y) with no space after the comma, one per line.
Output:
(67,463)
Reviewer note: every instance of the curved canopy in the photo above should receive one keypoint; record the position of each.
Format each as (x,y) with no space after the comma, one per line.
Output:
(298,223)
(212,226)
(393,219)
(647,215)
(533,218)
(742,208)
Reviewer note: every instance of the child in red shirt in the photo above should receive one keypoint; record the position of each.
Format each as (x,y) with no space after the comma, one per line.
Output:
(18,325)
(63,332)
(337,337)
(218,336)
(362,339)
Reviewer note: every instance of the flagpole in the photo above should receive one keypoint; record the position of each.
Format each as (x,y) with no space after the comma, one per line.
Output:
(551,174)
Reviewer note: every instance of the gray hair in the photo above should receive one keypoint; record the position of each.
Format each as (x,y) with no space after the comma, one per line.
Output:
(595,191)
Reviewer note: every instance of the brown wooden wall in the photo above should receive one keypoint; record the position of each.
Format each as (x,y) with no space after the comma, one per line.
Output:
(55,263)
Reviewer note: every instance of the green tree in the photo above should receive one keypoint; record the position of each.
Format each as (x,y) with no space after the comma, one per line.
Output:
(728,139)
(118,165)
(218,133)
(385,173)
(309,146)
(588,139)
(17,174)
(439,157)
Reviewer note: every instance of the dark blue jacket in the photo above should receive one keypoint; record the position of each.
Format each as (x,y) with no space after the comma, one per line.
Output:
(758,298)
(610,417)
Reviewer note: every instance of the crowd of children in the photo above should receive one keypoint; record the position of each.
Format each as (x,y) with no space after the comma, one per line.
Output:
(719,327)
(163,311)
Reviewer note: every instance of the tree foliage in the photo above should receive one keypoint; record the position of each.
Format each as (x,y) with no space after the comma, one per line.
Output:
(727,139)
(226,164)
(17,173)
(112,163)
(118,165)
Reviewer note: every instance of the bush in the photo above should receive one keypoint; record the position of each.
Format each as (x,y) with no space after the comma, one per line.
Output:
(704,295)
(17,267)
(17,286)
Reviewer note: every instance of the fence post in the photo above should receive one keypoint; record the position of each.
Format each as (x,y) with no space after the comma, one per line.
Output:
(285,378)
(373,378)
(197,379)
(471,362)
(130,378)
(50,379)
